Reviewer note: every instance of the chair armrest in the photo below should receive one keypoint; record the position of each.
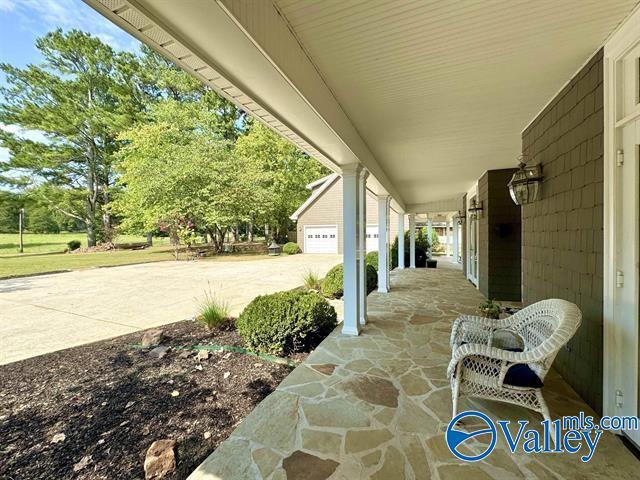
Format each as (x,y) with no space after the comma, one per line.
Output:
(473,329)
(506,357)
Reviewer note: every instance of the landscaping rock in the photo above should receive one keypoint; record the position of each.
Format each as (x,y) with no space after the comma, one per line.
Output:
(82,463)
(152,337)
(159,352)
(203,355)
(58,437)
(160,460)
(186,353)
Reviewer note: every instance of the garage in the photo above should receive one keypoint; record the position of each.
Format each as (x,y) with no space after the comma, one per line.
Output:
(372,238)
(321,239)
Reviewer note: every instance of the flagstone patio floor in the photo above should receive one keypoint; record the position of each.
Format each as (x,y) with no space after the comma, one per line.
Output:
(377,405)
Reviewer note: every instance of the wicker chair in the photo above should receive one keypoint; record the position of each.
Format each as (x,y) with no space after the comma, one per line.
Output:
(483,351)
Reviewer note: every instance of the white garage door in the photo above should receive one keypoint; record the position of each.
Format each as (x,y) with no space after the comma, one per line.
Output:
(321,239)
(372,238)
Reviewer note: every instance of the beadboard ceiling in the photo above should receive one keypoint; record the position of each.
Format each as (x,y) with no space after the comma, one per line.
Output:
(440,90)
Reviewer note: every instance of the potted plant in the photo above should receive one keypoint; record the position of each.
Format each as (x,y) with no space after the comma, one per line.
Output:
(490,309)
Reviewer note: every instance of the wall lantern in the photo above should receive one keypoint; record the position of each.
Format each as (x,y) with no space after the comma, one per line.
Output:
(274,248)
(461,216)
(524,186)
(475,208)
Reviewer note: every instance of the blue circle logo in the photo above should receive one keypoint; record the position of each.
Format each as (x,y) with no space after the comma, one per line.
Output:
(456,438)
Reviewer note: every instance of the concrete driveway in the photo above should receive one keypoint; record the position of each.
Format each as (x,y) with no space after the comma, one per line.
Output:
(52,312)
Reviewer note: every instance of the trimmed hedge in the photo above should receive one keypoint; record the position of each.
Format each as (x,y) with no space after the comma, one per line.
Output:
(286,322)
(333,284)
(423,247)
(74,245)
(291,248)
(372,259)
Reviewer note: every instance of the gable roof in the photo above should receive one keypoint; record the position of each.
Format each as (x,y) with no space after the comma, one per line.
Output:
(318,187)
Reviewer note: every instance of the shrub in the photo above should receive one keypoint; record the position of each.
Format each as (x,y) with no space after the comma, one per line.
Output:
(372,259)
(312,281)
(286,322)
(372,279)
(333,284)
(291,248)
(74,245)
(423,247)
(214,312)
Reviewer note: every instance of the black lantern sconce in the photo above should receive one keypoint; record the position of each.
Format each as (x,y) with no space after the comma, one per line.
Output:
(475,208)
(524,186)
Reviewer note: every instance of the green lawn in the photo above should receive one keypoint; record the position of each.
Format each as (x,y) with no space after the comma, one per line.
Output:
(43,254)
(57,242)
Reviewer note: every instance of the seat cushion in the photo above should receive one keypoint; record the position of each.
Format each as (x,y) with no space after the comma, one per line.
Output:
(521,375)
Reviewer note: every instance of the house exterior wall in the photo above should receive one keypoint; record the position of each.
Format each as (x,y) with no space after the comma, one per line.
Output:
(563,231)
(327,210)
(499,239)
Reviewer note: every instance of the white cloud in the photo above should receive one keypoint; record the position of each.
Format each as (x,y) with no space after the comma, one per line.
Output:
(45,15)
(7,5)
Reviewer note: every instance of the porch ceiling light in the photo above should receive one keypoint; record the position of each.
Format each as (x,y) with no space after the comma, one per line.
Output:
(524,186)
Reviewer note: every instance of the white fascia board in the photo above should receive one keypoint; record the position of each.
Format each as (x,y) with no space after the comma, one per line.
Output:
(319,182)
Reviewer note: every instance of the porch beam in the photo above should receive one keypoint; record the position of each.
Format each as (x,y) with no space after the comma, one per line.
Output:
(412,240)
(351,177)
(384,202)
(401,240)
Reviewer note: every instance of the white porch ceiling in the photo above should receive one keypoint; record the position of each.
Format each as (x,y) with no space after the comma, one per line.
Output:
(427,95)
(440,90)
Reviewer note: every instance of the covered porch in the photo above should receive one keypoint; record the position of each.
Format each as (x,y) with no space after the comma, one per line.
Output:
(377,405)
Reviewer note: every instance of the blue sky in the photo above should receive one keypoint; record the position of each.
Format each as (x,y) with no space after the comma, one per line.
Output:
(22,21)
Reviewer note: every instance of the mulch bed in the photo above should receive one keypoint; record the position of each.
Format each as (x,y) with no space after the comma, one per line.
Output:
(112,401)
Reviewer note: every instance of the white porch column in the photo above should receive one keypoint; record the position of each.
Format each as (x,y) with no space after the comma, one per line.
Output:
(350,250)
(362,245)
(412,240)
(456,247)
(448,237)
(400,240)
(384,204)
(429,229)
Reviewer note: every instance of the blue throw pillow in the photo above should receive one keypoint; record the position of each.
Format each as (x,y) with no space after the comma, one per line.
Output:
(521,375)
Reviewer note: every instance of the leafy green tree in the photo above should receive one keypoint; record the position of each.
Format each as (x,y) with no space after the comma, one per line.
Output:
(196,176)
(81,97)
(287,171)
(40,220)
(162,79)
(10,204)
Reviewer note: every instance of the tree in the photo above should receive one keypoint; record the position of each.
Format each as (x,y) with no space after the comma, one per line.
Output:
(10,204)
(81,97)
(287,171)
(196,177)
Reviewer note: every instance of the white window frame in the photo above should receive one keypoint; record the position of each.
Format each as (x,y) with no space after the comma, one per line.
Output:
(626,37)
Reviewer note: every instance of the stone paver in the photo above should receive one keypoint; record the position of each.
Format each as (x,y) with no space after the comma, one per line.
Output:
(376,406)
(46,313)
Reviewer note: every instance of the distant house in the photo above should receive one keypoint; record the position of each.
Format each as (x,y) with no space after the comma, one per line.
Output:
(319,219)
